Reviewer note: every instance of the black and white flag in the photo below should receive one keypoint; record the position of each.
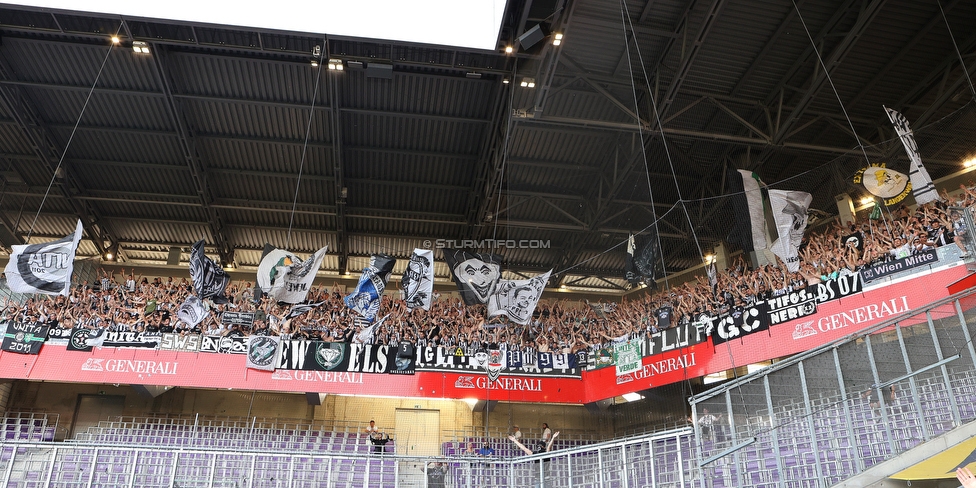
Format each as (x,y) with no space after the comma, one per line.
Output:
(263,352)
(24,337)
(209,280)
(418,279)
(749,226)
(642,259)
(790,214)
(366,298)
(192,312)
(301,308)
(517,299)
(476,274)
(368,334)
(922,186)
(284,277)
(43,268)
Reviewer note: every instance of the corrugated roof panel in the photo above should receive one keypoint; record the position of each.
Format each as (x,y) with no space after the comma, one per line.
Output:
(122,112)
(77,64)
(300,241)
(221,117)
(549,144)
(243,154)
(417,134)
(362,163)
(456,96)
(246,78)
(121,145)
(155,232)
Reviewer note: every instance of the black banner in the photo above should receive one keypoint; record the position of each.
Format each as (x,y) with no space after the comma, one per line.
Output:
(85,339)
(686,334)
(740,323)
(343,357)
(880,270)
(792,305)
(24,338)
(839,287)
(244,319)
(521,363)
(221,344)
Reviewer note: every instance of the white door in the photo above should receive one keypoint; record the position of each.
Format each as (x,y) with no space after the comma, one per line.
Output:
(418,432)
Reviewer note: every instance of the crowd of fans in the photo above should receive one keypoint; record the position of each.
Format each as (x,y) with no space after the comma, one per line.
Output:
(126,302)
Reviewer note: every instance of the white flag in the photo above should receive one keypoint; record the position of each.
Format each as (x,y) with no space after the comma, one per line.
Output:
(368,334)
(43,268)
(790,214)
(263,352)
(192,312)
(517,299)
(922,186)
(284,277)
(418,279)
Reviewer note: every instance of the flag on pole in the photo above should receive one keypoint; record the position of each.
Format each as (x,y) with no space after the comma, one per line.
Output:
(641,261)
(790,214)
(365,299)
(368,334)
(476,274)
(192,312)
(209,280)
(517,299)
(301,308)
(749,226)
(284,277)
(922,186)
(43,268)
(418,279)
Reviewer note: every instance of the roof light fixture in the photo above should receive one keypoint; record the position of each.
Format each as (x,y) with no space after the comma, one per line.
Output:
(509,49)
(335,64)
(116,40)
(315,63)
(527,83)
(140,47)
(557,39)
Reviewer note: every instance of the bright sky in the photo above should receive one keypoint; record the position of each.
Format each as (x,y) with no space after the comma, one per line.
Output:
(463,23)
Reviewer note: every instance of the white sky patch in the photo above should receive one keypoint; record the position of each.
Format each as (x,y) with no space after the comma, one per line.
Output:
(462,23)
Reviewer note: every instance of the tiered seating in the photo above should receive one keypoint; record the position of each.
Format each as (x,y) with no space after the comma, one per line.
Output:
(28,427)
(227,436)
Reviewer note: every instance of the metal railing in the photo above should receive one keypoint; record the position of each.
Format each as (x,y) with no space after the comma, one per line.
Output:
(825,415)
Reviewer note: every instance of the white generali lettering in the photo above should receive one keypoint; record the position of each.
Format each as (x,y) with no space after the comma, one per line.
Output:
(137,366)
(867,313)
(665,366)
(328,376)
(510,384)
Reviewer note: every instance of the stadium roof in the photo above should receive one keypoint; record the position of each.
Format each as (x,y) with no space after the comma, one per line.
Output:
(205,136)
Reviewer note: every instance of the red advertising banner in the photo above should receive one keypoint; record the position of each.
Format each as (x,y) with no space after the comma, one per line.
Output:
(833,320)
(207,370)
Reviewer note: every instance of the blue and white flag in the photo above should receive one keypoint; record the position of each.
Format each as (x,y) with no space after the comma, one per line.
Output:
(365,299)
(43,268)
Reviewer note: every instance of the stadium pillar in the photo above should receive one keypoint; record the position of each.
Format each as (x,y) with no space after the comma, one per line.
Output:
(5,388)
(845,208)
